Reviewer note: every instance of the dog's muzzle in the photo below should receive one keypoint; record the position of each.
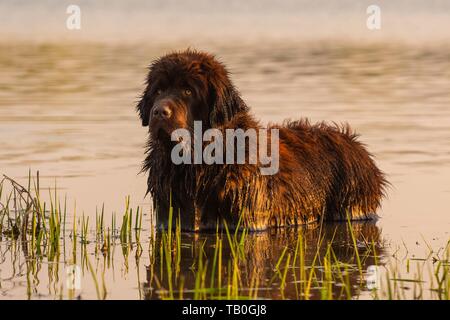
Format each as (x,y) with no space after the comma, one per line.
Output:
(162,111)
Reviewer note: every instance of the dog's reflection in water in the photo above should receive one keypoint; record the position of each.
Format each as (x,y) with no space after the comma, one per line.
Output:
(263,258)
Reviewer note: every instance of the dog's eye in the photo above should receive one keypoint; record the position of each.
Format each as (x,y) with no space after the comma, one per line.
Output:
(158,92)
(187,92)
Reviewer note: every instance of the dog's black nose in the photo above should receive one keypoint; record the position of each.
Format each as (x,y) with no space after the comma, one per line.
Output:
(162,112)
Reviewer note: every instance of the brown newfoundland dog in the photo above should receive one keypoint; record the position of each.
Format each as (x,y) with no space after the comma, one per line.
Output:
(324,173)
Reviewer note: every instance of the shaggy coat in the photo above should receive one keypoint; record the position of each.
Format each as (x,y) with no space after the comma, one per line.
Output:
(325,173)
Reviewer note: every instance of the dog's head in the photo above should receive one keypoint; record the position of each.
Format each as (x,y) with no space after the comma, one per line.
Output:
(186,87)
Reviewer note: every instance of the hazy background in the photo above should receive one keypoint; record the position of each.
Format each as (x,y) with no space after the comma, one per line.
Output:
(67,97)
(196,21)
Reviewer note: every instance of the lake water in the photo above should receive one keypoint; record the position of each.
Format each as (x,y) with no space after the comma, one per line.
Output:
(67,107)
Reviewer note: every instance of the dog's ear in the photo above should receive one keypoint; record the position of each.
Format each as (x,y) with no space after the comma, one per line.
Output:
(144,111)
(144,105)
(226,103)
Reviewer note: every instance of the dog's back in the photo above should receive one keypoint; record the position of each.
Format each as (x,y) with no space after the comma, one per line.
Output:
(340,168)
